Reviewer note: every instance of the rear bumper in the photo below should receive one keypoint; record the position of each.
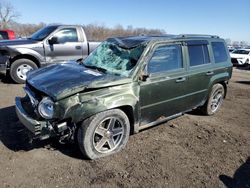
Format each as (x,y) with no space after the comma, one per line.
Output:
(39,129)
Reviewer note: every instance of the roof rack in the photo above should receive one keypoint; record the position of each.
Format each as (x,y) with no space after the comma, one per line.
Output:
(196,35)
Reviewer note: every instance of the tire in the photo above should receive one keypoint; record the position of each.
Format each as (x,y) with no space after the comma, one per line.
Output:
(103,134)
(19,69)
(247,64)
(214,100)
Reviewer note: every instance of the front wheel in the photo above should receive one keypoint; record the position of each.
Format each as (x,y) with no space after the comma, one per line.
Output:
(20,68)
(103,134)
(214,101)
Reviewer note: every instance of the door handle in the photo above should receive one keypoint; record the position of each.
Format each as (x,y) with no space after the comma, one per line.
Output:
(78,47)
(182,79)
(209,73)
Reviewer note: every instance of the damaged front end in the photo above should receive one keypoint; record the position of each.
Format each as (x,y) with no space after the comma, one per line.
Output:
(30,114)
(6,53)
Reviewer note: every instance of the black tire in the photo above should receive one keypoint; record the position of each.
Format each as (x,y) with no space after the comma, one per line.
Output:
(94,145)
(214,100)
(16,74)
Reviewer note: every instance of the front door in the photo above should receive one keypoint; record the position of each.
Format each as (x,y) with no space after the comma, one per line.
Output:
(164,93)
(68,46)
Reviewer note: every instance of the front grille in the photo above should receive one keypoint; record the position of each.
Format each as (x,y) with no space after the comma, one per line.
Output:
(234,61)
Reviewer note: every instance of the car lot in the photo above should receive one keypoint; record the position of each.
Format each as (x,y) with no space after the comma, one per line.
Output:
(190,151)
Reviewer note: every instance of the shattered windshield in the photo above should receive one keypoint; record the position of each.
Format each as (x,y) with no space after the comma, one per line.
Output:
(112,59)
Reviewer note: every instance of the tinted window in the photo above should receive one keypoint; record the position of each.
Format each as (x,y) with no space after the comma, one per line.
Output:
(3,35)
(67,35)
(198,55)
(219,51)
(165,58)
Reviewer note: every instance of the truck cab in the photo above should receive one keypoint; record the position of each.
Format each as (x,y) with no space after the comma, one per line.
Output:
(51,44)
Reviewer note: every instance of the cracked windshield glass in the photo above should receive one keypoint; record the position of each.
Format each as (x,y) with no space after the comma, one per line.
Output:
(113,59)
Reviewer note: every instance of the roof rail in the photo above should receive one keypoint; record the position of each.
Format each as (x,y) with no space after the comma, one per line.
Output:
(196,35)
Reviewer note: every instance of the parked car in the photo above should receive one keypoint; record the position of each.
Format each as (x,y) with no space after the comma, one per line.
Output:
(127,84)
(51,44)
(230,48)
(7,34)
(240,57)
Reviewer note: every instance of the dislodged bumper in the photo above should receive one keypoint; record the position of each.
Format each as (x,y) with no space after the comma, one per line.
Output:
(40,129)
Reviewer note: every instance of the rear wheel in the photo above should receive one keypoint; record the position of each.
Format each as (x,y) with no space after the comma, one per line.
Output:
(20,68)
(103,134)
(214,101)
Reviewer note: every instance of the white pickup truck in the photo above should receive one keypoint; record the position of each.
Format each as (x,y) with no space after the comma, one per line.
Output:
(51,44)
(240,57)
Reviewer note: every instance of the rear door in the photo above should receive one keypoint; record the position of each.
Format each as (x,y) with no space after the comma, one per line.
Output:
(69,46)
(164,92)
(200,71)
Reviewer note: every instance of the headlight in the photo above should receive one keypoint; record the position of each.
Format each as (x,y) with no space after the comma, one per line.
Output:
(46,108)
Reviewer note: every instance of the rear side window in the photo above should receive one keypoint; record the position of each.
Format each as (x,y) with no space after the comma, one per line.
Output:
(219,51)
(165,58)
(198,54)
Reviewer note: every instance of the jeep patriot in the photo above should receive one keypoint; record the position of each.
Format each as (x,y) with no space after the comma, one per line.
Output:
(125,85)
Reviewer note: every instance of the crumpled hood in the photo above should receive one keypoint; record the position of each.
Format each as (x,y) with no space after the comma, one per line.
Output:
(62,80)
(17,42)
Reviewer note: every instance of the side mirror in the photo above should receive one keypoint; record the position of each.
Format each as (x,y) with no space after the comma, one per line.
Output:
(53,40)
(144,76)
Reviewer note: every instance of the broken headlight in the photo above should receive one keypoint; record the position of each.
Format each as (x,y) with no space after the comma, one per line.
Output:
(46,108)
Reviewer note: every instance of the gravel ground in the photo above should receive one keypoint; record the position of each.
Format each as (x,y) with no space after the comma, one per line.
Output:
(190,151)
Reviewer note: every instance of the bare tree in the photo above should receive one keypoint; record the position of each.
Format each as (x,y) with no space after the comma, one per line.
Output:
(7,14)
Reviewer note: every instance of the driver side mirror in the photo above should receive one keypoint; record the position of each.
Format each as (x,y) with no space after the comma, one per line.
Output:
(144,76)
(53,40)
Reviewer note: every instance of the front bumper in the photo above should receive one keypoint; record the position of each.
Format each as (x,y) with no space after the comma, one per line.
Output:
(40,129)
(3,63)
(239,61)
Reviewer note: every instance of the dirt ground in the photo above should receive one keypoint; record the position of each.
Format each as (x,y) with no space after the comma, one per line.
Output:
(190,151)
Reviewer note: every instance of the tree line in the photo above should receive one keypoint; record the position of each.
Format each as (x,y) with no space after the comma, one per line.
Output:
(94,32)
(8,17)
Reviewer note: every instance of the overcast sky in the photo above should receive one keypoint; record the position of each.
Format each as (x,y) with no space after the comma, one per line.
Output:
(226,18)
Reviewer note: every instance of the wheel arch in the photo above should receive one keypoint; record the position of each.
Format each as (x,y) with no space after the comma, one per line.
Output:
(222,82)
(26,56)
(129,111)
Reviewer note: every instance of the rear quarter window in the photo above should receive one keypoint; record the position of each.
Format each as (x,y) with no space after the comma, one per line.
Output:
(219,51)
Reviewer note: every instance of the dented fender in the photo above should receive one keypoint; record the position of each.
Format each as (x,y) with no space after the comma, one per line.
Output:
(83,105)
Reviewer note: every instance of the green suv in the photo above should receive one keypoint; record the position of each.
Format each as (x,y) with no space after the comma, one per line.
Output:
(127,84)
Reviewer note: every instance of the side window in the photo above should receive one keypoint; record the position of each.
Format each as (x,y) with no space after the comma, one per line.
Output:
(3,35)
(165,58)
(219,51)
(198,55)
(67,35)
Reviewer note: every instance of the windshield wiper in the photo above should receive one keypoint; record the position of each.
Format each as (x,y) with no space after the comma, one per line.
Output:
(103,70)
